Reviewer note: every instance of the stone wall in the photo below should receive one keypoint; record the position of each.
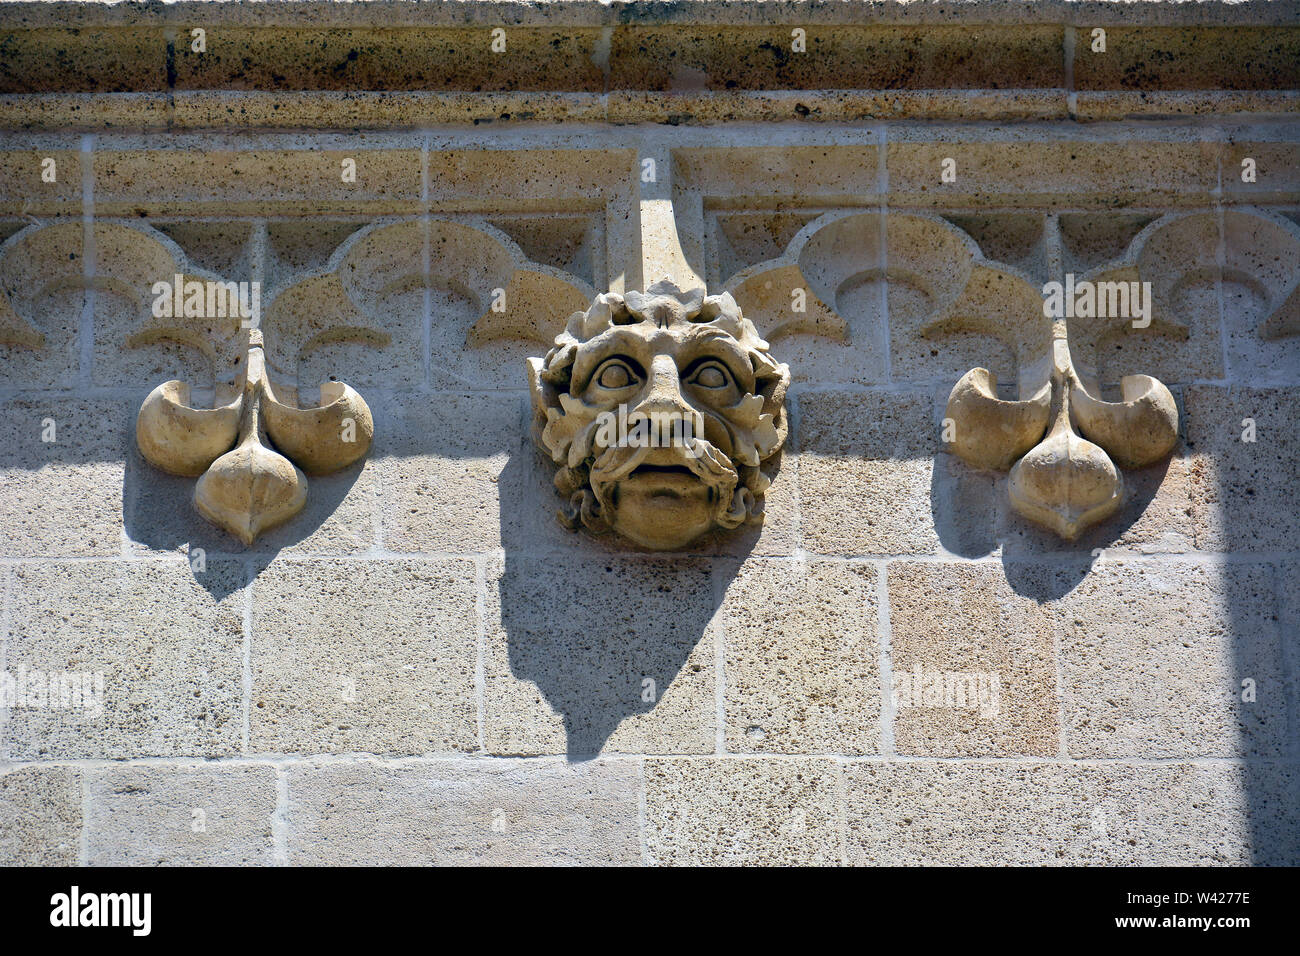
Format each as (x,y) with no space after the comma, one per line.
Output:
(423,665)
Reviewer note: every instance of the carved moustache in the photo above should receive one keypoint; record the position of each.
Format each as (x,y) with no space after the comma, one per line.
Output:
(700,457)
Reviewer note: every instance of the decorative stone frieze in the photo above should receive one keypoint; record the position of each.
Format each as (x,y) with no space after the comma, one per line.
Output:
(1063,444)
(635,260)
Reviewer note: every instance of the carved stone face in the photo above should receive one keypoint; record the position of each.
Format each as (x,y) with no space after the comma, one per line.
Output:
(659,407)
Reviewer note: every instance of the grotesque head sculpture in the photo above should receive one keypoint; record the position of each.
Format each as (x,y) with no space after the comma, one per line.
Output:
(659,408)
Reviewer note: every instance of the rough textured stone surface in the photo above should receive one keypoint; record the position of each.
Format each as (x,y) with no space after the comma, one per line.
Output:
(180,816)
(63,496)
(864,470)
(40,816)
(362,671)
(801,666)
(481,812)
(620,658)
(974,626)
(1162,661)
(167,641)
(424,666)
(461,492)
(1242,490)
(742,812)
(1062,814)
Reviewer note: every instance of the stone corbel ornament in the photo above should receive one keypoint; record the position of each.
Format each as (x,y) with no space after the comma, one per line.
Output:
(253,448)
(664,355)
(1062,443)
(247,454)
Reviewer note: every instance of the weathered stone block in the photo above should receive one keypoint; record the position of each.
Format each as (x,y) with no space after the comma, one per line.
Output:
(742,811)
(1173,660)
(801,658)
(973,659)
(180,815)
(587,652)
(1006,170)
(450,472)
(167,643)
(464,812)
(63,476)
(130,177)
(864,472)
(25,178)
(1242,490)
(40,815)
(362,671)
(952,813)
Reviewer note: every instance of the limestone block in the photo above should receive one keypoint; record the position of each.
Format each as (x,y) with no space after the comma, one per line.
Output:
(1173,660)
(801,665)
(78,60)
(63,496)
(747,812)
(953,813)
(464,813)
(451,473)
(1242,490)
(1190,58)
(167,642)
(40,815)
(1271,177)
(41,179)
(185,815)
(973,660)
(588,653)
(131,177)
(370,58)
(935,57)
(339,666)
(865,472)
(1007,170)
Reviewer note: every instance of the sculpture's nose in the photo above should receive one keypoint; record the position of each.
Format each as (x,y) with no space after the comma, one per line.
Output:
(663,392)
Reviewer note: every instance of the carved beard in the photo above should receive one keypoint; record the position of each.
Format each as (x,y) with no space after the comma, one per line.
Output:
(707,463)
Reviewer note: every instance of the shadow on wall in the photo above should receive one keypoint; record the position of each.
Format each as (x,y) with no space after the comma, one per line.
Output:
(1221,496)
(159,514)
(605,632)
(958,491)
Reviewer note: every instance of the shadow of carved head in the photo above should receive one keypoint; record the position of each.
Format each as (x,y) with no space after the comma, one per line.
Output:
(659,407)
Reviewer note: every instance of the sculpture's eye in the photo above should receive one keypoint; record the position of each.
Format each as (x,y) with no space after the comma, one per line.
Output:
(711,375)
(615,374)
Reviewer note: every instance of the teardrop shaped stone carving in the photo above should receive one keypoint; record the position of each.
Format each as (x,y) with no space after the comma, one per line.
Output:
(250,490)
(1065,481)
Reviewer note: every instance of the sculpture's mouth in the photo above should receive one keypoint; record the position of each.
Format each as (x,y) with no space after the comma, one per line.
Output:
(662,488)
(666,480)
